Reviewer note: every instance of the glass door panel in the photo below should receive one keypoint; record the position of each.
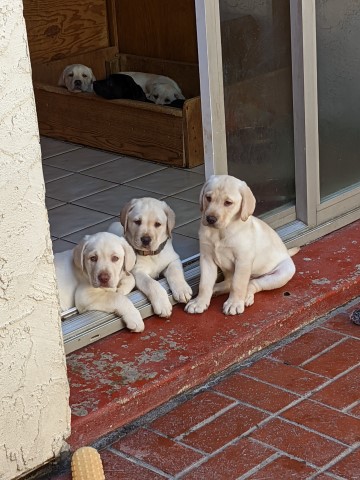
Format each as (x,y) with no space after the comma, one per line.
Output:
(256,52)
(338,59)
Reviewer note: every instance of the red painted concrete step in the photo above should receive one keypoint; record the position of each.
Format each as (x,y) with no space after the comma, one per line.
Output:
(126,375)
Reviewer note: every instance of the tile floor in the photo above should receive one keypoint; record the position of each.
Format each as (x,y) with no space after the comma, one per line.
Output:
(291,412)
(86,188)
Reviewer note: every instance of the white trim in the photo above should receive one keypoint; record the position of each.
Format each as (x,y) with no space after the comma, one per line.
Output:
(211,86)
(297,233)
(280,216)
(339,203)
(305,106)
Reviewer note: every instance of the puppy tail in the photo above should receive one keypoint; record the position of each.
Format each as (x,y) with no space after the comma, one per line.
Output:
(293,251)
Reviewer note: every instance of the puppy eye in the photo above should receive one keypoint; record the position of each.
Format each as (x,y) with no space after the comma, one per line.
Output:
(84,75)
(114,258)
(157,224)
(227,203)
(93,258)
(156,97)
(70,75)
(137,222)
(208,198)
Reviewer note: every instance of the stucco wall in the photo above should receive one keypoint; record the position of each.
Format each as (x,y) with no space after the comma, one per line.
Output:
(34,411)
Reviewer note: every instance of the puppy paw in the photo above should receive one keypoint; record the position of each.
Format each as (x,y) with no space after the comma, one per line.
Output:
(196,306)
(133,321)
(249,300)
(232,307)
(162,308)
(182,294)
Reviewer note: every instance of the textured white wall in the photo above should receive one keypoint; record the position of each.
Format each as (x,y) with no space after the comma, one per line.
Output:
(34,393)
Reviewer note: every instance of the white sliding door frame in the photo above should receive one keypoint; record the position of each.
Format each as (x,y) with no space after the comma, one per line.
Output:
(211,86)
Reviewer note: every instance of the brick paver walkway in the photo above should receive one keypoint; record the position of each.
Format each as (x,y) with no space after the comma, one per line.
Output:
(293,413)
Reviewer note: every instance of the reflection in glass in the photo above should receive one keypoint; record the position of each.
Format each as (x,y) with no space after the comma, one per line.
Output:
(338,55)
(256,48)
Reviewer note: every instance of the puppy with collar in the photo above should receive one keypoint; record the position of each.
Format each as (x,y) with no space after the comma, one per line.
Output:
(77,78)
(250,254)
(95,275)
(147,224)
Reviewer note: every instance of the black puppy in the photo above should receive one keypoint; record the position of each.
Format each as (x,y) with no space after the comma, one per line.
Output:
(118,85)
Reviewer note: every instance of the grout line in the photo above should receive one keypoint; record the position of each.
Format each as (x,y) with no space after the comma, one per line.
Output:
(335,409)
(47,157)
(208,420)
(289,455)
(178,442)
(348,335)
(192,467)
(336,459)
(104,189)
(326,350)
(311,430)
(350,407)
(85,228)
(260,466)
(198,425)
(138,462)
(123,182)
(262,410)
(279,387)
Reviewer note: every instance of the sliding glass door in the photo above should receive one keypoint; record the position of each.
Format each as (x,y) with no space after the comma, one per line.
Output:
(283,115)
(256,57)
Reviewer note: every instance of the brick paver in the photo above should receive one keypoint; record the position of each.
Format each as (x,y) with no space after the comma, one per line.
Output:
(293,414)
(348,467)
(282,468)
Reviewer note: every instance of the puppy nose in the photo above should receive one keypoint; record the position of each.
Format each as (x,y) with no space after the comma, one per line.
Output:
(103,278)
(211,220)
(145,240)
(77,83)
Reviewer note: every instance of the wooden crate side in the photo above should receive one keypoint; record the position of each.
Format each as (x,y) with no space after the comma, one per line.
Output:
(62,28)
(49,72)
(193,134)
(185,74)
(158,28)
(127,127)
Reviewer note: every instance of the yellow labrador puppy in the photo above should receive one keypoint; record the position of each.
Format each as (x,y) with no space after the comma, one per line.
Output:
(147,224)
(77,78)
(159,89)
(95,275)
(250,254)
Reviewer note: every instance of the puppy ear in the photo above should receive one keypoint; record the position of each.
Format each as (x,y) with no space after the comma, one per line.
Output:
(78,253)
(61,82)
(170,224)
(124,214)
(248,202)
(93,79)
(130,257)
(202,194)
